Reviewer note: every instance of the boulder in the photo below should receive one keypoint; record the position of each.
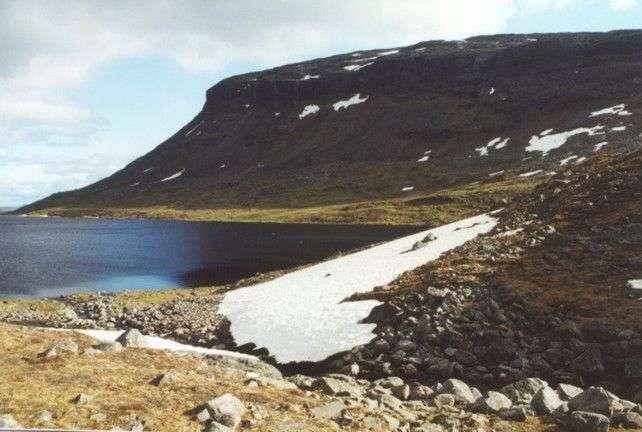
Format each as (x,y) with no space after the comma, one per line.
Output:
(516,413)
(546,401)
(337,387)
(593,400)
(590,361)
(166,378)
(567,391)
(389,382)
(443,399)
(459,390)
(44,416)
(402,391)
(226,409)
(330,411)
(217,427)
(581,421)
(494,402)
(131,338)
(522,392)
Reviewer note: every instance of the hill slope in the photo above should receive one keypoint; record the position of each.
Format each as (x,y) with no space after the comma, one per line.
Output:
(388,123)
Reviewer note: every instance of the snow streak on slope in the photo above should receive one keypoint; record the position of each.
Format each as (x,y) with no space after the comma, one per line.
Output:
(547,142)
(300,316)
(173,176)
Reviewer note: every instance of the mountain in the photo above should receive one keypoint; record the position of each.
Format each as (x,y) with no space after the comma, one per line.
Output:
(389,123)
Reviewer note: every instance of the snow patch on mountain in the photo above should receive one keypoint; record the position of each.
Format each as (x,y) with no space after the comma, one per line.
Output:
(309,109)
(355,67)
(173,176)
(354,100)
(496,143)
(549,142)
(614,110)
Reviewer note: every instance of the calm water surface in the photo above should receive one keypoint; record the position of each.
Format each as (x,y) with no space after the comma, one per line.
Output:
(53,256)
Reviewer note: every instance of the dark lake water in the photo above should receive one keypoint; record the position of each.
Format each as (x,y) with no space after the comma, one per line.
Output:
(53,256)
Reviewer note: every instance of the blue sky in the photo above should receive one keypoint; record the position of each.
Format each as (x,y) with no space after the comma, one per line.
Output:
(86,87)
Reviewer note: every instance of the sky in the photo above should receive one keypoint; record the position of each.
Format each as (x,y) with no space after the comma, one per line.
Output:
(87,86)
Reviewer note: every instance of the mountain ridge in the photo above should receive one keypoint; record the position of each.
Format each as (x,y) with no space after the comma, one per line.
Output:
(384,124)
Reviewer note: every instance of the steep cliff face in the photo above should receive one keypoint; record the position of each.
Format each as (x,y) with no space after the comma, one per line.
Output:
(384,123)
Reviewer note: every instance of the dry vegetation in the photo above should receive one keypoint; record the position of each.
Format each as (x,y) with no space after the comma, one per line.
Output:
(431,209)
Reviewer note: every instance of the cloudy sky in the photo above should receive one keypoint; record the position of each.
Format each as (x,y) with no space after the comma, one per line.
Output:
(87,86)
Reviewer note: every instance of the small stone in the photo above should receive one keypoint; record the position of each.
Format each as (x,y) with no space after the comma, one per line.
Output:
(516,413)
(98,417)
(7,421)
(217,427)
(522,392)
(83,399)
(459,390)
(203,415)
(226,409)
(331,410)
(44,416)
(443,399)
(402,391)
(166,378)
(494,402)
(132,338)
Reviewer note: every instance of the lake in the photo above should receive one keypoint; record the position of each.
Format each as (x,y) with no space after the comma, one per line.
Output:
(54,256)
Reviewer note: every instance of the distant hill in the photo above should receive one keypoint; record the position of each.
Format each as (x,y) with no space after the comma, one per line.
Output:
(388,123)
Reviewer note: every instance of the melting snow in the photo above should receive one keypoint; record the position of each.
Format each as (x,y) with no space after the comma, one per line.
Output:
(546,132)
(635,283)
(276,114)
(309,77)
(597,147)
(496,173)
(420,49)
(618,128)
(221,166)
(547,143)
(147,170)
(134,184)
(423,159)
(354,68)
(491,91)
(310,109)
(531,173)
(616,109)
(174,176)
(193,129)
(385,53)
(356,99)
(154,342)
(311,320)
(580,160)
(567,159)
(407,188)
(496,143)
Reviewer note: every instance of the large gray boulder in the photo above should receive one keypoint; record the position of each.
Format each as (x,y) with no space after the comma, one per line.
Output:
(338,387)
(593,400)
(567,391)
(459,390)
(581,421)
(546,401)
(331,410)
(522,392)
(226,409)
(493,403)
(629,419)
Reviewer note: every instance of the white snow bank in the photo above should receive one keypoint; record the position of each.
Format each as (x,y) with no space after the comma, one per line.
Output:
(300,316)
(496,143)
(193,129)
(173,176)
(354,67)
(618,128)
(407,188)
(309,77)
(385,53)
(580,160)
(531,173)
(567,160)
(616,109)
(597,147)
(547,143)
(496,173)
(423,158)
(309,109)
(635,283)
(148,170)
(491,91)
(155,342)
(344,104)
(546,132)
